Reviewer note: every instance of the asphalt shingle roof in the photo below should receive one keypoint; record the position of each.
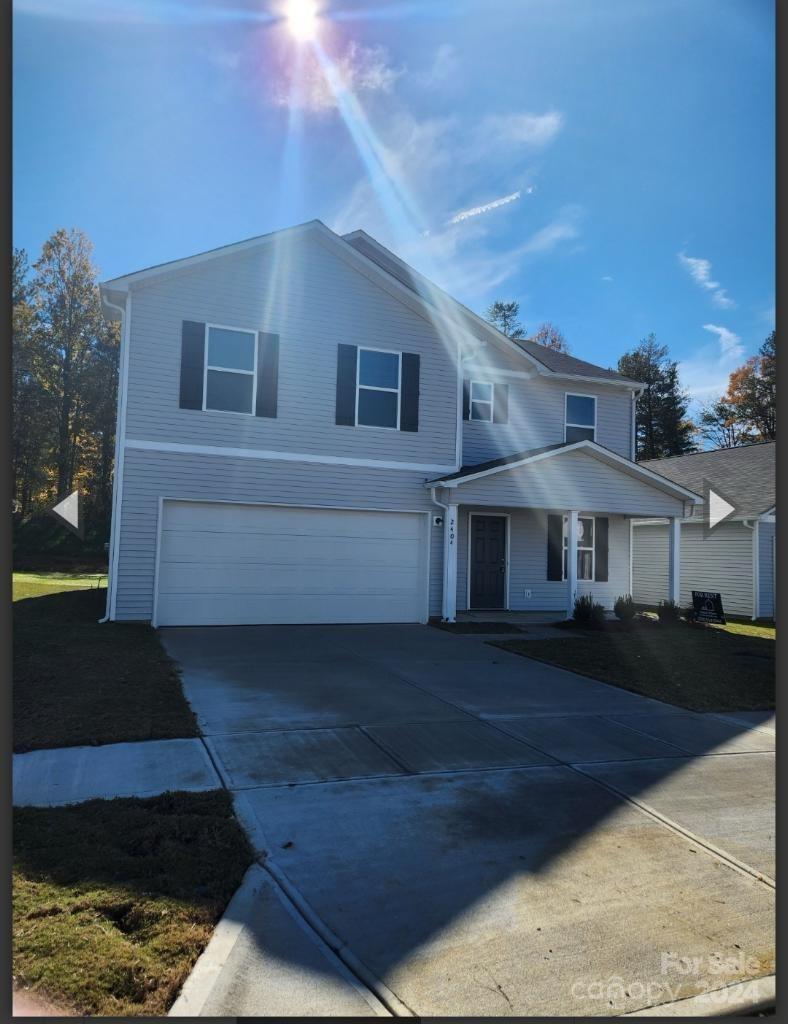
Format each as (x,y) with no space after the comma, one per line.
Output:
(745,476)
(482,467)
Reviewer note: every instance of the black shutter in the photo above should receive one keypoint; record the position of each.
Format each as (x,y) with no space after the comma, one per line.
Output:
(346,385)
(500,403)
(409,398)
(192,364)
(466,399)
(267,374)
(555,547)
(600,548)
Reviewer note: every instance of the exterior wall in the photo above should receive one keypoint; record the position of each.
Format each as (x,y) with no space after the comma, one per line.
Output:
(314,300)
(528,562)
(766,534)
(722,562)
(536,414)
(571,480)
(153,475)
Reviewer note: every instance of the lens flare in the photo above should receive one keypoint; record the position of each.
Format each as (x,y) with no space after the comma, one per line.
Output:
(302,21)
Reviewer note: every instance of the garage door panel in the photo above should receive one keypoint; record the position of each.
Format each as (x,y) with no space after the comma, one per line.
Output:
(223,564)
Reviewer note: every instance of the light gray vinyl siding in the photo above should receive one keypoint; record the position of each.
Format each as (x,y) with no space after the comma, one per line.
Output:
(766,533)
(149,476)
(536,415)
(528,562)
(720,562)
(314,300)
(568,480)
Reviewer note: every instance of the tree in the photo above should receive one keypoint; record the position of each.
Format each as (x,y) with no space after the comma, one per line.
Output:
(752,392)
(505,316)
(550,337)
(662,426)
(720,426)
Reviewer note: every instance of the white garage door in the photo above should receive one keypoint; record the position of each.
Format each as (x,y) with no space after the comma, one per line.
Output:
(224,564)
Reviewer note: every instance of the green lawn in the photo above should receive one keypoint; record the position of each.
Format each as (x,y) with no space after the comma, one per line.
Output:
(700,668)
(114,900)
(77,682)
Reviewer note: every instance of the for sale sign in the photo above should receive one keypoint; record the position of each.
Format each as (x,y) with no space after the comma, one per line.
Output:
(707,606)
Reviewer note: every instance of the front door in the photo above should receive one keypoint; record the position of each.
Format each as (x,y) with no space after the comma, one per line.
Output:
(488,561)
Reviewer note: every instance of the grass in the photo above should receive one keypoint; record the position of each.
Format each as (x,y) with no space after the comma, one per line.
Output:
(39,584)
(77,682)
(114,900)
(700,668)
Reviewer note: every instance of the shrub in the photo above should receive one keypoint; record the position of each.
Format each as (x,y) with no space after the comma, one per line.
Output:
(588,612)
(624,608)
(689,613)
(668,612)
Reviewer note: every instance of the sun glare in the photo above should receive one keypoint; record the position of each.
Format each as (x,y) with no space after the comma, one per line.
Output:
(302,20)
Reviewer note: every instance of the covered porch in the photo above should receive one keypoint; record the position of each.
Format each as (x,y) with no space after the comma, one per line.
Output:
(533,531)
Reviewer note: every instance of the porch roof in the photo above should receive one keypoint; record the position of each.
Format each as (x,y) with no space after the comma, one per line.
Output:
(507,463)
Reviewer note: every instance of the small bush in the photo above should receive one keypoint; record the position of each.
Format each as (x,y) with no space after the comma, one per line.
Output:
(588,612)
(668,612)
(689,613)
(624,608)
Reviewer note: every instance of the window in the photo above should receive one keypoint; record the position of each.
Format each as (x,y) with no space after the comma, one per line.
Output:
(580,418)
(230,370)
(585,546)
(378,391)
(481,401)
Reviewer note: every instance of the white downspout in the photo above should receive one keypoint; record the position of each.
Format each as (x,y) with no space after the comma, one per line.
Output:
(756,568)
(117,479)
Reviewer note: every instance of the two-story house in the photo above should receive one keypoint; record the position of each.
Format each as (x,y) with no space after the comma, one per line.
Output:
(310,431)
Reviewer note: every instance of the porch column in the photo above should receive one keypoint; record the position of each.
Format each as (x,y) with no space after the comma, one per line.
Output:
(571,563)
(674,559)
(450,564)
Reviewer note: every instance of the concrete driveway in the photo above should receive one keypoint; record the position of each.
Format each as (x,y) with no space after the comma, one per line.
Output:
(483,834)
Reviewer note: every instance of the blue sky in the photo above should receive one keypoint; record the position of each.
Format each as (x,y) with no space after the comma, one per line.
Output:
(632,142)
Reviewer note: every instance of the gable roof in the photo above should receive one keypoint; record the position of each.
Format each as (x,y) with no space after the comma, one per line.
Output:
(590,448)
(745,476)
(545,359)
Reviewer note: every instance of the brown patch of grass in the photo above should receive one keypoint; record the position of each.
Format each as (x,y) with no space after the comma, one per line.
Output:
(77,682)
(114,900)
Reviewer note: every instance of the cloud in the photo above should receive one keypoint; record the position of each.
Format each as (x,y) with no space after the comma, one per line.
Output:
(444,65)
(699,270)
(360,69)
(606,278)
(476,211)
(705,374)
(730,343)
(563,228)
(520,129)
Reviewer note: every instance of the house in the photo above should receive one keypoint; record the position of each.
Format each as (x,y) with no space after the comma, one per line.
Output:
(310,431)
(737,557)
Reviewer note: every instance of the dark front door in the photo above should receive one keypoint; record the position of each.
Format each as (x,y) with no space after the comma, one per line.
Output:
(488,561)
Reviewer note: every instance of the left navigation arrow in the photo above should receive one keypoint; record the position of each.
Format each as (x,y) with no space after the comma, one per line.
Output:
(69,513)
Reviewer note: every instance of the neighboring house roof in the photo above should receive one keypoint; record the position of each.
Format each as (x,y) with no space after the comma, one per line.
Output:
(555,362)
(744,476)
(591,448)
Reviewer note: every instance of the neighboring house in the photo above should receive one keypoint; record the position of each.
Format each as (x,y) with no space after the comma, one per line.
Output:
(309,431)
(737,557)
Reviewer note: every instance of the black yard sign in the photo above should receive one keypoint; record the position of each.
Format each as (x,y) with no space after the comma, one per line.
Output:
(707,606)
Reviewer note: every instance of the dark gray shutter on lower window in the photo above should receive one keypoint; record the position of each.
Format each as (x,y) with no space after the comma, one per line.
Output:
(500,403)
(347,358)
(409,398)
(601,530)
(555,547)
(192,364)
(466,399)
(267,374)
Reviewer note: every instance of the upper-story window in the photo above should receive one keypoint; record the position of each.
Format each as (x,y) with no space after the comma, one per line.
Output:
(481,401)
(580,418)
(230,370)
(379,382)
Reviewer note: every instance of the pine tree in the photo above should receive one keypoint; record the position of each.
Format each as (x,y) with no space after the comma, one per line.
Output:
(505,316)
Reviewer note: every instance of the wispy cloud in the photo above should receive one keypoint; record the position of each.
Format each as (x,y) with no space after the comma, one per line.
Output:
(699,270)
(521,129)
(477,211)
(730,343)
(443,67)
(360,69)
(606,278)
(563,228)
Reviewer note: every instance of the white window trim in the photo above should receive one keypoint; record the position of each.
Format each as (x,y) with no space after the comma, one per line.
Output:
(371,387)
(580,426)
(580,547)
(481,401)
(226,369)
